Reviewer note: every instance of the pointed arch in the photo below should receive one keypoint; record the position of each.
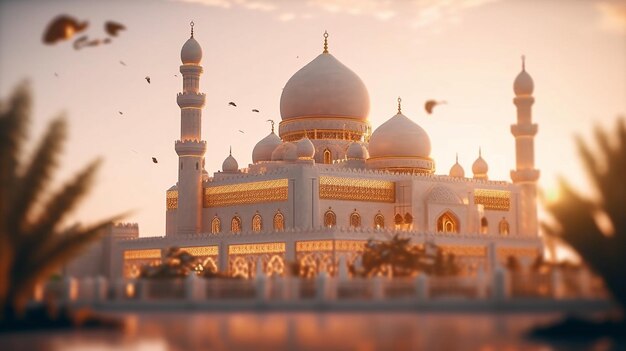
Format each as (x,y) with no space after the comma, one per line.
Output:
(484,226)
(397,219)
(257,223)
(235,225)
(328,156)
(216,225)
(504,227)
(279,221)
(330,219)
(379,221)
(355,219)
(448,223)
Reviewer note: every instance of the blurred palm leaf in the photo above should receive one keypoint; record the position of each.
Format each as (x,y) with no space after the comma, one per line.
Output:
(32,244)
(576,215)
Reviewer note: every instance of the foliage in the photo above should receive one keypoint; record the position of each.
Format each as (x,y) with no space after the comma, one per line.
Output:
(575,215)
(32,245)
(177,263)
(401,259)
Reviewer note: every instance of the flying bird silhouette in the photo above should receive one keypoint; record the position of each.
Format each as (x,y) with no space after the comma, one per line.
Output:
(154,160)
(62,27)
(232,104)
(148,79)
(176,75)
(430,104)
(255,110)
(56,74)
(120,112)
(80,42)
(122,63)
(241,131)
(112,28)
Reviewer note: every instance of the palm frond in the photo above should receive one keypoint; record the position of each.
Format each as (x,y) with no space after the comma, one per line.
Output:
(37,175)
(63,248)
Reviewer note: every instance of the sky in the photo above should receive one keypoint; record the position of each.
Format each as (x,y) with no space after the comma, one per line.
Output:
(466,52)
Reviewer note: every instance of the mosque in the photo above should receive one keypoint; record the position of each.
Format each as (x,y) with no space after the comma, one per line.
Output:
(328,182)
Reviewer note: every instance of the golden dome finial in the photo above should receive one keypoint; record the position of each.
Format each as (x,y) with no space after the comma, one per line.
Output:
(191,24)
(325,42)
(399,105)
(523,62)
(272,122)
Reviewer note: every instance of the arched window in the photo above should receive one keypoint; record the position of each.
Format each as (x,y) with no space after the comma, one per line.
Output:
(379,221)
(328,157)
(216,225)
(235,225)
(279,221)
(504,227)
(397,219)
(257,223)
(447,223)
(330,219)
(484,226)
(355,219)
(408,219)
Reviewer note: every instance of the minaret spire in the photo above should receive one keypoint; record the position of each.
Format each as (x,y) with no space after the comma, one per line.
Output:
(525,174)
(399,105)
(187,220)
(325,42)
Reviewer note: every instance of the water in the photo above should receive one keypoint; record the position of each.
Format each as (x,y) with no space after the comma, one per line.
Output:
(174,331)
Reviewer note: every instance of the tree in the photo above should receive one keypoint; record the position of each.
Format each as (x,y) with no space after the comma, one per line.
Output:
(604,250)
(32,243)
(177,263)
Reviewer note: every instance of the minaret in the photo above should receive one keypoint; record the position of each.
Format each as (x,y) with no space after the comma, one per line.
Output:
(525,174)
(190,148)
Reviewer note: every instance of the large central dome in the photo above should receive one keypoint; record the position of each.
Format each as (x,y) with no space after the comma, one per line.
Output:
(325,87)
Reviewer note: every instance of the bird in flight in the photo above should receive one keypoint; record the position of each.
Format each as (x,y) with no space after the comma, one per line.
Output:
(240,131)
(56,74)
(232,104)
(255,110)
(112,28)
(430,104)
(120,112)
(148,79)
(122,63)
(154,160)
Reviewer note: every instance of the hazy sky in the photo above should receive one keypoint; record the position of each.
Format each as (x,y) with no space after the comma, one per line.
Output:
(466,52)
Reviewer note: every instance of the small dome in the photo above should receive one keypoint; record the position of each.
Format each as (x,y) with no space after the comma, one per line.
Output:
(230,165)
(305,148)
(263,149)
(356,151)
(480,167)
(191,52)
(523,84)
(325,87)
(443,194)
(291,152)
(279,152)
(457,170)
(399,137)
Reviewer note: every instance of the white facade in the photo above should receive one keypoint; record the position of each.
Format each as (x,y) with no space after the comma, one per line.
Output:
(328,183)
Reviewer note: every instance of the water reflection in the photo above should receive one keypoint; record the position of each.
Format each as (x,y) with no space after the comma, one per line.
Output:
(303,331)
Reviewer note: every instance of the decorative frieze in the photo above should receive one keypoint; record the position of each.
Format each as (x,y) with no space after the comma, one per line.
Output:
(246,193)
(253,249)
(171,199)
(495,200)
(358,189)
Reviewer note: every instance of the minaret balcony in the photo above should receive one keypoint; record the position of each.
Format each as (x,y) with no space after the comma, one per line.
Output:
(524,130)
(190,147)
(525,175)
(188,99)
(191,69)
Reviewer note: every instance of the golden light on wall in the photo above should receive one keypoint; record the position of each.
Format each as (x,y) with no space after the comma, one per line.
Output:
(171,200)
(260,248)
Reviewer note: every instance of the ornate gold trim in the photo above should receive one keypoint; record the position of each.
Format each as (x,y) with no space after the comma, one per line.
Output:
(142,254)
(495,200)
(314,245)
(201,251)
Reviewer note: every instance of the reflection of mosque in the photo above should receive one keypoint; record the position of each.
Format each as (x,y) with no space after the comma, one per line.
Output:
(327,183)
